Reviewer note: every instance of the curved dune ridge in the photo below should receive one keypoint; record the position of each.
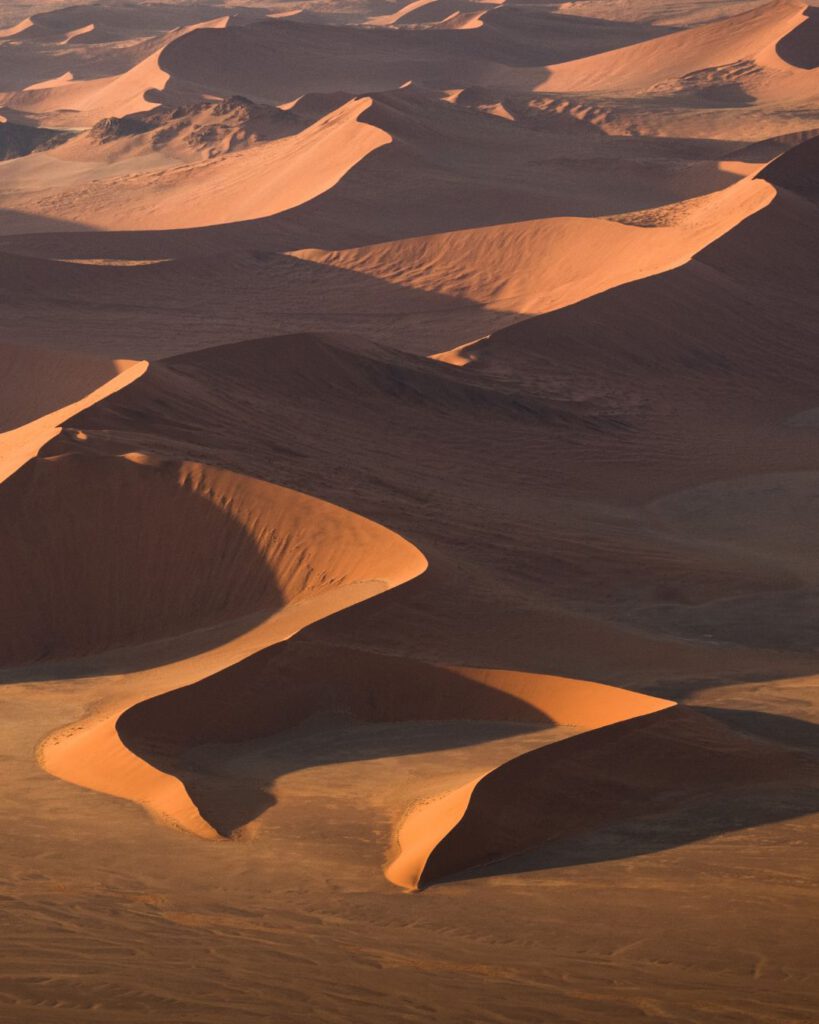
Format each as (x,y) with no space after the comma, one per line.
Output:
(631,755)
(178,547)
(252,561)
(41,388)
(142,751)
(751,35)
(534,266)
(644,764)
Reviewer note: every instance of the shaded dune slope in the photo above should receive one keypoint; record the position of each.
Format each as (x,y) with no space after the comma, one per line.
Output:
(281,59)
(327,388)
(281,688)
(628,769)
(177,548)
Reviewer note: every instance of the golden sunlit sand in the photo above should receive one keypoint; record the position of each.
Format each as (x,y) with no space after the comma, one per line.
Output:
(408,512)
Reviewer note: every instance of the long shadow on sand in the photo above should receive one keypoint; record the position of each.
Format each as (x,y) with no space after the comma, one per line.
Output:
(296,704)
(703,816)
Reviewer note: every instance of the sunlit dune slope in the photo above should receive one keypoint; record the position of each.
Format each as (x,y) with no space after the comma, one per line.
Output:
(749,36)
(533,266)
(256,182)
(41,388)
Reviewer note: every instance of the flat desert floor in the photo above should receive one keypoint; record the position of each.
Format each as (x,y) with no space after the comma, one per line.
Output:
(409,503)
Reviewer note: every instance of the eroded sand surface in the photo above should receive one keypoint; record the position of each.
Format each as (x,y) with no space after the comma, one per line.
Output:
(408,512)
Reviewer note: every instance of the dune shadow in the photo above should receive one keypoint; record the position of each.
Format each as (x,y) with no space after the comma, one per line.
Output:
(800,48)
(793,732)
(309,696)
(230,804)
(115,558)
(705,813)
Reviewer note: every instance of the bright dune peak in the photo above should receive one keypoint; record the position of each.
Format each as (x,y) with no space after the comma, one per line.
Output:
(711,45)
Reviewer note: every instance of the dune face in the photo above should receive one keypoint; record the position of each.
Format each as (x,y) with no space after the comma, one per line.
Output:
(536,266)
(41,389)
(291,686)
(347,346)
(632,768)
(233,549)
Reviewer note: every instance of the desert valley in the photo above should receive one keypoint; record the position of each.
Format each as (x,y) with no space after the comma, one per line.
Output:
(409,506)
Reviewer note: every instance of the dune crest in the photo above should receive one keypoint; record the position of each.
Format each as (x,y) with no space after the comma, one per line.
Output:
(249,565)
(535,266)
(643,66)
(641,765)
(40,389)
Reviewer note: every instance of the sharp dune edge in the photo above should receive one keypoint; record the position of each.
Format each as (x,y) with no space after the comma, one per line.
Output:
(347,346)
(536,266)
(637,765)
(41,389)
(751,34)
(233,547)
(244,558)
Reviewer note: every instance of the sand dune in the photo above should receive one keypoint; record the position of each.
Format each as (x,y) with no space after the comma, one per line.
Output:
(281,689)
(40,389)
(347,345)
(628,769)
(536,266)
(234,549)
(723,286)
(324,388)
(533,175)
(749,36)
(78,101)
(261,181)
(249,564)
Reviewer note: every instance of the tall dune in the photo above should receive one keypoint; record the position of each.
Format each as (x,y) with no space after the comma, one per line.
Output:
(178,548)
